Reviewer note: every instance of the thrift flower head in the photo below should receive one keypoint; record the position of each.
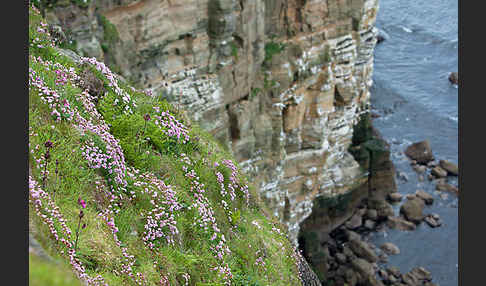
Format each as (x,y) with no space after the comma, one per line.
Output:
(82,203)
(48,144)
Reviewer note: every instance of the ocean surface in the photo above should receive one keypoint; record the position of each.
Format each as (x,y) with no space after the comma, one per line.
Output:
(416,101)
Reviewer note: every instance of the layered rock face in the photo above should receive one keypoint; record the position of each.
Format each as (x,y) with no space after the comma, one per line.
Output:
(282,83)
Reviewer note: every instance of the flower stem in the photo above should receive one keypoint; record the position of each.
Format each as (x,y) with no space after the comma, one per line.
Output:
(44,178)
(77,236)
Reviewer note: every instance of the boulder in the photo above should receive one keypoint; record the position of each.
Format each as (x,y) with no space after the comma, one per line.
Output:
(395,197)
(432,164)
(400,223)
(391,280)
(402,176)
(438,172)
(441,181)
(420,152)
(351,235)
(421,274)
(393,270)
(383,274)
(369,224)
(450,167)
(372,214)
(441,186)
(372,281)
(390,248)
(420,168)
(363,267)
(383,258)
(410,280)
(454,78)
(412,210)
(348,252)
(411,196)
(433,220)
(351,277)
(426,197)
(354,222)
(384,210)
(362,211)
(363,250)
(341,271)
(341,258)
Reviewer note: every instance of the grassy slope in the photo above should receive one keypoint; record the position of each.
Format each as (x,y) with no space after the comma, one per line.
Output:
(249,234)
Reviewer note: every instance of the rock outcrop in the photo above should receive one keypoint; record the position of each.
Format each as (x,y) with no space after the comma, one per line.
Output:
(281,83)
(454,77)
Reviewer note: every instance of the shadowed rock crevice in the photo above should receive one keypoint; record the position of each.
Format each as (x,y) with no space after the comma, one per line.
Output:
(233,120)
(329,214)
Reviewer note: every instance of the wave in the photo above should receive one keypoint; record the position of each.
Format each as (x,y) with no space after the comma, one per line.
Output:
(408,30)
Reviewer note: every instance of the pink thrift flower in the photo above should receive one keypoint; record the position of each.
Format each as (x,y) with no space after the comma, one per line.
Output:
(82,203)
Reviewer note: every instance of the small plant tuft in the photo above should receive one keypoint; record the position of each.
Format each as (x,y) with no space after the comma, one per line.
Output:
(272,49)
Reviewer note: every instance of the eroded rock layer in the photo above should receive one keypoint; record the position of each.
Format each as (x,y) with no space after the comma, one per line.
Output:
(282,83)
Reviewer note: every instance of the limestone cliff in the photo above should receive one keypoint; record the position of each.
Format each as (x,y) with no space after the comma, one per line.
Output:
(282,83)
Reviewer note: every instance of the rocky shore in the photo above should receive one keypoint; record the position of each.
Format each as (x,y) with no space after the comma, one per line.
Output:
(424,163)
(346,256)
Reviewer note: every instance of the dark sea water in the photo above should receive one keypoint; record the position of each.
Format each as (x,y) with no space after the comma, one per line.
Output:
(412,94)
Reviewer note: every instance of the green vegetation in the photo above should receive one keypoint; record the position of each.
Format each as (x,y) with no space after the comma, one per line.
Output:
(110,33)
(44,273)
(272,49)
(234,50)
(114,151)
(69,44)
(42,4)
(268,84)
(81,3)
(254,92)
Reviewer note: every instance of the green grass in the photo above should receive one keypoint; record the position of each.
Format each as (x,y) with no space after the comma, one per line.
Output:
(47,273)
(160,155)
